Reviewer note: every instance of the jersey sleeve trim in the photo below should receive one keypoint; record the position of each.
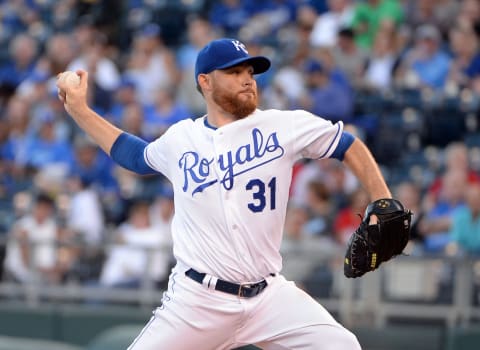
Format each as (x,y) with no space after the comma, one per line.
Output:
(335,138)
(128,152)
(344,144)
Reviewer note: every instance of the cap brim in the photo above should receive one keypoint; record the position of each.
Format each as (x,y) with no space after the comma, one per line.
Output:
(260,64)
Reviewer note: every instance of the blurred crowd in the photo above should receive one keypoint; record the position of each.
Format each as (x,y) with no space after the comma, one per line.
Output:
(404,76)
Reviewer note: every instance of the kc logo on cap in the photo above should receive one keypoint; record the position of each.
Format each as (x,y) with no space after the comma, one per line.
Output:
(225,53)
(240,46)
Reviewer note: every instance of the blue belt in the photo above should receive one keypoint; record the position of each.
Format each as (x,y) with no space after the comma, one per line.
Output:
(248,290)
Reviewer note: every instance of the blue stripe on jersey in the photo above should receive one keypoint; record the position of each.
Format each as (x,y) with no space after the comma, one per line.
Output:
(127,151)
(208,125)
(345,142)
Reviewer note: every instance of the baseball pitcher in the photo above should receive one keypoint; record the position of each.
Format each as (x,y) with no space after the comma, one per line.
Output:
(231,171)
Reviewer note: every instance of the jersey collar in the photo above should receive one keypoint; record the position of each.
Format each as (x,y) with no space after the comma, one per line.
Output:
(208,125)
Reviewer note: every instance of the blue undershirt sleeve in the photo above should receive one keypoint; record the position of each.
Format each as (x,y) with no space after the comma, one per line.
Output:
(345,142)
(127,151)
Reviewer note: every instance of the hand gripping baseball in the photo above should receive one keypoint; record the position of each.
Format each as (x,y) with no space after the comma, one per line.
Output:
(72,90)
(372,244)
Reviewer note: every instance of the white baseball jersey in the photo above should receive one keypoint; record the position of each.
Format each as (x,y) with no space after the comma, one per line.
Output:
(231,187)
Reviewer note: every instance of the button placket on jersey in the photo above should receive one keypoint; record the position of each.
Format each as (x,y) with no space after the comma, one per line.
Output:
(218,141)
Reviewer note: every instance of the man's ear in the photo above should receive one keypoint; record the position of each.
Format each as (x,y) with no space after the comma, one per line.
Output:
(204,82)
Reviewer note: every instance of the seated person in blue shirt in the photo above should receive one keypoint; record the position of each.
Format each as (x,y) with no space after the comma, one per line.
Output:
(465,222)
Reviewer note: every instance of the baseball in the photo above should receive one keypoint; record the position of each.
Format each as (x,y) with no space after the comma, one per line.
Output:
(70,78)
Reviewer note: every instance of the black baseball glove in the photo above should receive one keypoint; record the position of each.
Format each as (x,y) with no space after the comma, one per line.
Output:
(371,245)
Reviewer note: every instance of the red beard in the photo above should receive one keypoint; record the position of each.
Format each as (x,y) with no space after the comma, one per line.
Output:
(232,104)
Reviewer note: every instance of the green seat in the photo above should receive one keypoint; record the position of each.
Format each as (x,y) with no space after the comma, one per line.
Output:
(18,320)
(80,325)
(463,339)
(120,337)
(13,343)
(401,337)
(115,338)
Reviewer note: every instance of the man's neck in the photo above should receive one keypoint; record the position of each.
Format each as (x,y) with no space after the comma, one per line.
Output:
(217,117)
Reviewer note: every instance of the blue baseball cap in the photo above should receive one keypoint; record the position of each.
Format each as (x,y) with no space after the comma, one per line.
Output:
(225,53)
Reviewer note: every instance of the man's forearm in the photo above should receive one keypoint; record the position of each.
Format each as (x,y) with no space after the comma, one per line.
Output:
(361,162)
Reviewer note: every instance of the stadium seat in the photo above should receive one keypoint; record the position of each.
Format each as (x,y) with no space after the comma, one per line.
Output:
(463,339)
(118,337)
(389,144)
(16,320)
(80,325)
(445,126)
(13,343)
(472,140)
(401,338)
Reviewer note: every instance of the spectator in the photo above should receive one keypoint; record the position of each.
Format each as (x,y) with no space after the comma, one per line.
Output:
(60,51)
(15,148)
(469,13)
(267,17)
(465,68)
(229,16)
(94,58)
(325,97)
(138,253)
(426,64)
(23,51)
(151,64)
(329,24)
(161,214)
(92,165)
(31,249)
(456,158)
(371,15)
(124,95)
(348,218)
(42,101)
(94,55)
(379,69)
(199,33)
(296,220)
(62,16)
(96,169)
(281,94)
(165,111)
(348,57)
(65,130)
(44,150)
(320,209)
(133,120)
(294,41)
(410,196)
(465,223)
(435,225)
(84,202)
(338,179)
(325,55)
(439,13)
(299,248)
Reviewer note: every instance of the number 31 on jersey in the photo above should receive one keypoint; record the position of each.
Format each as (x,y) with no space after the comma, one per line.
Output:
(263,194)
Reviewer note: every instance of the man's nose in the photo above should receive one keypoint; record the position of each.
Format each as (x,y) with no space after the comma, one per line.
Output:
(247,79)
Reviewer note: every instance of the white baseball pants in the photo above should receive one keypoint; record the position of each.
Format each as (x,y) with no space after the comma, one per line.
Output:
(281,317)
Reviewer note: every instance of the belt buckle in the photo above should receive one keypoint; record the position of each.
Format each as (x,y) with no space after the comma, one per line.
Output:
(241,288)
